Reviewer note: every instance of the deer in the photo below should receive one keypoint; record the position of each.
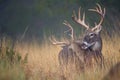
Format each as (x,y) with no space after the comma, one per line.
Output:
(92,35)
(81,51)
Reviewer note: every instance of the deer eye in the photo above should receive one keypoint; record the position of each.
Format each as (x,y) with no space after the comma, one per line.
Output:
(91,35)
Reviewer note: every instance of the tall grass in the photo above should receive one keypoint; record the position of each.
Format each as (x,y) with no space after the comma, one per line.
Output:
(42,62)
(11,62)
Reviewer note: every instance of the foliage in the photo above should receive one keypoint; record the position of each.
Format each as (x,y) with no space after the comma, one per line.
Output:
(43,16)
(11,63)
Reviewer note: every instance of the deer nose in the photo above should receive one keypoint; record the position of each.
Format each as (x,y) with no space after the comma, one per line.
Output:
(84,42)
(86,45)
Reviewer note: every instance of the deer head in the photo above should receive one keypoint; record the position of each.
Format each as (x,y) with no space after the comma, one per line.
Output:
(91,39)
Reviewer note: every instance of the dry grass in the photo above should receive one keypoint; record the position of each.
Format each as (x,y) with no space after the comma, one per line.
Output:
(43,60)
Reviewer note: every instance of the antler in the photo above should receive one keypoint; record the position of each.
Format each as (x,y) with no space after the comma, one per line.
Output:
(101,12)
(71,29)
(79,20)
(55,42)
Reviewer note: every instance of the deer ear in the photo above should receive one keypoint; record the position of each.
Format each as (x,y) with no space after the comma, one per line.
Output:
(98,29)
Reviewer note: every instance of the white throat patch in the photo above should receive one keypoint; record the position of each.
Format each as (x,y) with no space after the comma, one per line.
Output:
(96,46)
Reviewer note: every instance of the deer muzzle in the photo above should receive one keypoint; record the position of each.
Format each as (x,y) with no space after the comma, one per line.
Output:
(86,45)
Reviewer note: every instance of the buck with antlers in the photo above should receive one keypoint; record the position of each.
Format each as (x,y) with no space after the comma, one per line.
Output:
(82,51)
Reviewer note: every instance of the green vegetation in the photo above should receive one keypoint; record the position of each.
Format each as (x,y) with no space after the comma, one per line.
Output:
(11,62)
(47,16)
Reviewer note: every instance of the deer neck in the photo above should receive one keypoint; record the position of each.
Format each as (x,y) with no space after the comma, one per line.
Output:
(98,45)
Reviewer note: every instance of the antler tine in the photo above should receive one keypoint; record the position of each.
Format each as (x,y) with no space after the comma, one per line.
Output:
(79,20)
(101,12)
(55,42)
(79,13)
(104,12)
(99,9)
(71,29)
(74,17)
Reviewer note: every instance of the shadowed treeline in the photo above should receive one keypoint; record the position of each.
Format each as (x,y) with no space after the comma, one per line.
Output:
(44,17)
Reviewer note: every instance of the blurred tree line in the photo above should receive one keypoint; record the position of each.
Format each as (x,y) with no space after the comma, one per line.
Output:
(45,17)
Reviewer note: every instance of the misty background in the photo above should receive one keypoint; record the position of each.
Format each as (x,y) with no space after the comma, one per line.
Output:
(40,18)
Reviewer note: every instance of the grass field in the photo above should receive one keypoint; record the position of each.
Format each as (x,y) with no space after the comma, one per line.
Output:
(42,63)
